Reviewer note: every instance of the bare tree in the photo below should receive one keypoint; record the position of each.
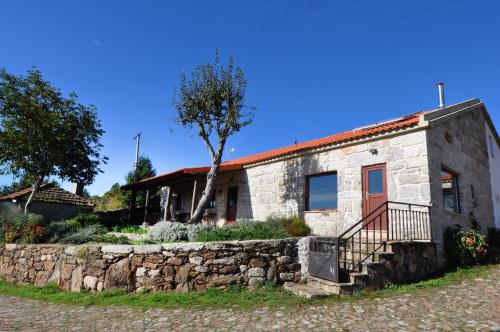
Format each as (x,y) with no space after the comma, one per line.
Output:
(213,102)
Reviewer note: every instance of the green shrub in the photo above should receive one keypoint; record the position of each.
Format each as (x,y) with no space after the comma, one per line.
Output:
(84,234)
(464,247)
(22,228)
(85,219)
(166,231)
(194,230)
(244,231)
(57,230)
(107,238)
(130,229)
(294,225)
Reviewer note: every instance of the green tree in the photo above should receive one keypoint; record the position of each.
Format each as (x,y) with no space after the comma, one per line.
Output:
(21,184)
(145,170)
(44,134)
(213,102)
(113,199)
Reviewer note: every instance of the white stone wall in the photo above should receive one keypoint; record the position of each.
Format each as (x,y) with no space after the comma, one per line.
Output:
(494,161)
(467,156)
(277,188)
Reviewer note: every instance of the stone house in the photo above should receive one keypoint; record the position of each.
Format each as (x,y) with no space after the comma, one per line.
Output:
(51,202)
(446,159)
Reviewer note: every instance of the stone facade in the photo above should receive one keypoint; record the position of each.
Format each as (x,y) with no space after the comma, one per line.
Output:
(459,144)
(277,188)
(170,267)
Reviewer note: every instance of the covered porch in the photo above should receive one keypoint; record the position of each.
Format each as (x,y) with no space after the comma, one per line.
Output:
(180,192)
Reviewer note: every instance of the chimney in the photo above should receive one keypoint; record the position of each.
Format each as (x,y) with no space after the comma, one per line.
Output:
(440,87)
(78,189)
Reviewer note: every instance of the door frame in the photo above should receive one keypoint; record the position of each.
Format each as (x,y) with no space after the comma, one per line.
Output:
(365,188)
(227,203)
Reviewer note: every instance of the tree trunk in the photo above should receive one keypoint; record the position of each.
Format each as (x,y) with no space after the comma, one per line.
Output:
(36,186)
(207,194)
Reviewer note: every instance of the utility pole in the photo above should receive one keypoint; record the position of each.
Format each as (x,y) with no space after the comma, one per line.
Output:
(138,142)
(134,193)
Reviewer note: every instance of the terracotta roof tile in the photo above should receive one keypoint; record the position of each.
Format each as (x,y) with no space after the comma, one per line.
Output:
(48,193)
(351,135)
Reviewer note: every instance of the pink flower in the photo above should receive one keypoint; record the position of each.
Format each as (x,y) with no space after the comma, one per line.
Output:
(469,241)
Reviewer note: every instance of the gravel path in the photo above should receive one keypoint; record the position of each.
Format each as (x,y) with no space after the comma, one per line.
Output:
(470,306)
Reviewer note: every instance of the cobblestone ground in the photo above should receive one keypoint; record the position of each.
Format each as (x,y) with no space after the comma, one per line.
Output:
(472,305)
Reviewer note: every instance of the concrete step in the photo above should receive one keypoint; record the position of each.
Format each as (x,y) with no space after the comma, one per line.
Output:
(331,287)
(305,290)
(359,278)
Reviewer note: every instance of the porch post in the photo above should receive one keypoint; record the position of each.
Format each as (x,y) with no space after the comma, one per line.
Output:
(193,205)
(146,208)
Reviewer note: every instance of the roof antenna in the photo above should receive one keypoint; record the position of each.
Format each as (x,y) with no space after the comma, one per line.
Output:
(440,87)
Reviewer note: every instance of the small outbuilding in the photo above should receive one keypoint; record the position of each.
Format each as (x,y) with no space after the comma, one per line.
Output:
(52,202)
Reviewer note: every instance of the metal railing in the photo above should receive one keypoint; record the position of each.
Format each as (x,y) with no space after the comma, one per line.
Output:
(391,221)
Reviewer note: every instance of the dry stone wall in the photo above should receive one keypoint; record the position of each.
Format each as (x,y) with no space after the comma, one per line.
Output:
(169,267)
(405,263)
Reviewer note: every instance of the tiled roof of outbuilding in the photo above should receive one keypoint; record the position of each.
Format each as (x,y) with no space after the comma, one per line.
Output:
(48,193)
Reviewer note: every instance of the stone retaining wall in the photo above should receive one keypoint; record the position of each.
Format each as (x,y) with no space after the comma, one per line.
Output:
(181,266)
(405,262)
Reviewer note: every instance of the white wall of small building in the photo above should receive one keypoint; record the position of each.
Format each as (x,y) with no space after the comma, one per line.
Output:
(277,188)
(494,160)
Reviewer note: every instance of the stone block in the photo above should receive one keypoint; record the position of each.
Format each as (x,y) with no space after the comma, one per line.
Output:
(117,249)
(286,276)
(256,272)
(77,279)
(174,261)
(196,260)
(141,272)
(90,283)
(147,249)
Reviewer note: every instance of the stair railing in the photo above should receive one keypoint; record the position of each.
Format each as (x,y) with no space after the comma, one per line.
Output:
(391,221)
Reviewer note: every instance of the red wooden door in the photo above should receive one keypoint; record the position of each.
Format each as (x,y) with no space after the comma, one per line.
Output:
(374,180)
(232,204)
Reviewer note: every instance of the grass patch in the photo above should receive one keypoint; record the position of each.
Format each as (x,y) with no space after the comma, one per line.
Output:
(130,229)
(266,295)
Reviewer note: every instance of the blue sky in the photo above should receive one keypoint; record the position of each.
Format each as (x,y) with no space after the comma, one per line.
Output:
(314,68)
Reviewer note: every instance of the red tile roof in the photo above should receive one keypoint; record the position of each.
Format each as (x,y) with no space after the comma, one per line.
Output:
(351,135)
(48,193)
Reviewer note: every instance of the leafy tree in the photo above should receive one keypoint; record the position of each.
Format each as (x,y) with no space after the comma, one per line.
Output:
(21,184)
(44,134)
(145,170)
(213,102)
(113,199)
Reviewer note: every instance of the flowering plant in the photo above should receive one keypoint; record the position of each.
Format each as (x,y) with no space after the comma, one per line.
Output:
(465,247)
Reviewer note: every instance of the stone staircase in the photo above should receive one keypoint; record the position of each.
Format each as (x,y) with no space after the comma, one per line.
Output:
(355,278)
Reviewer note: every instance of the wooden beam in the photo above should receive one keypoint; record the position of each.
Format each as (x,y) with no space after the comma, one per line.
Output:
(146,208)
(193,205)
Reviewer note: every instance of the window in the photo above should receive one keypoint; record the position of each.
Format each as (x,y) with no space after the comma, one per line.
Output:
(321,192)
(375,181)
(177,202)
(449,185)
(212,203)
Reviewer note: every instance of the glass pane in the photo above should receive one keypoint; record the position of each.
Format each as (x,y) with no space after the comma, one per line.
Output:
(450,193)
(323,192)
(375,182)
